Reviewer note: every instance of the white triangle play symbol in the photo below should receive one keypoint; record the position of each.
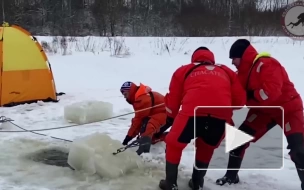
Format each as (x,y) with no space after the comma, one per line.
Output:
(235,138)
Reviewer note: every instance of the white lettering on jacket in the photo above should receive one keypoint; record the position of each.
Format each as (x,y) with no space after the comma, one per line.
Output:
(208,72)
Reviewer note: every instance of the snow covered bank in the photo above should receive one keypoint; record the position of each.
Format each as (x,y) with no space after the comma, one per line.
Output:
(125,46)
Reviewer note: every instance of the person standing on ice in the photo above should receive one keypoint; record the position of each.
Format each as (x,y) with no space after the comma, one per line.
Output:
(200,83)
(267,84)
(150,115)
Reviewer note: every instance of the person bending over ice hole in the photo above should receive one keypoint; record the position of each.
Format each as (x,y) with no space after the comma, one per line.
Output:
(200,83)
(150,115)
(267,84)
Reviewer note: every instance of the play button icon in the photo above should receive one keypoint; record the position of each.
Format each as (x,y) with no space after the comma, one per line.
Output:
(235,138)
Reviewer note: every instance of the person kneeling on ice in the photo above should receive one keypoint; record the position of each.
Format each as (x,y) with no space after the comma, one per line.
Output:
(150,115)
(200,83)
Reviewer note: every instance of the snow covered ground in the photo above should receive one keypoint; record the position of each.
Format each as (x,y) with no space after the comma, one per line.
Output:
(91,73)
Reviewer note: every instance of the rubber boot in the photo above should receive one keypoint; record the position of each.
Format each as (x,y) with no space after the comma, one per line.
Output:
(301,176)
(231,176)
(197,180)
(296,144)
(170,183)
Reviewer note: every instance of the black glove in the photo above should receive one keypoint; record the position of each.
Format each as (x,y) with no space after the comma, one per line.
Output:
(126,140)
(250,94)
(144,145)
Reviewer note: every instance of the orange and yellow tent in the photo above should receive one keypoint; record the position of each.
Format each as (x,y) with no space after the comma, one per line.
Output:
(25,72)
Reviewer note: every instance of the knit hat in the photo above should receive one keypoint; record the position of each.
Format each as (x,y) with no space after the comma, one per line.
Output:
(238,48)
(202,54)
(201,48)
(126,86)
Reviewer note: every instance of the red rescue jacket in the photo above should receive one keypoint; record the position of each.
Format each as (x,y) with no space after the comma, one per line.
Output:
(270,82)
(202,83)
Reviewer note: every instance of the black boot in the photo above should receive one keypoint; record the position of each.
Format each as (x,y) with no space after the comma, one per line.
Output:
(301,176)
(231,176)
(197,180)
(170,183)
(296,146)
(298,158)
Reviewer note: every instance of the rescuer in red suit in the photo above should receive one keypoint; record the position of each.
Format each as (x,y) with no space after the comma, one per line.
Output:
(267,84)
(200,83)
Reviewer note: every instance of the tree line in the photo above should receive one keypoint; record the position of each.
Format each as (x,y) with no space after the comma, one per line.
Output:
(146,17)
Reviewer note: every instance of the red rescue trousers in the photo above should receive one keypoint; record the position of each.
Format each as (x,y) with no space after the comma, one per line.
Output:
(208,131)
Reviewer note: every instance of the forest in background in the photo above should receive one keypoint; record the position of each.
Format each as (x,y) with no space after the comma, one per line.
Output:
(192,18)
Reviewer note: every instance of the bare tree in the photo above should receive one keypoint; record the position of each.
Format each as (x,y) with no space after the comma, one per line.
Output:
(146,17)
